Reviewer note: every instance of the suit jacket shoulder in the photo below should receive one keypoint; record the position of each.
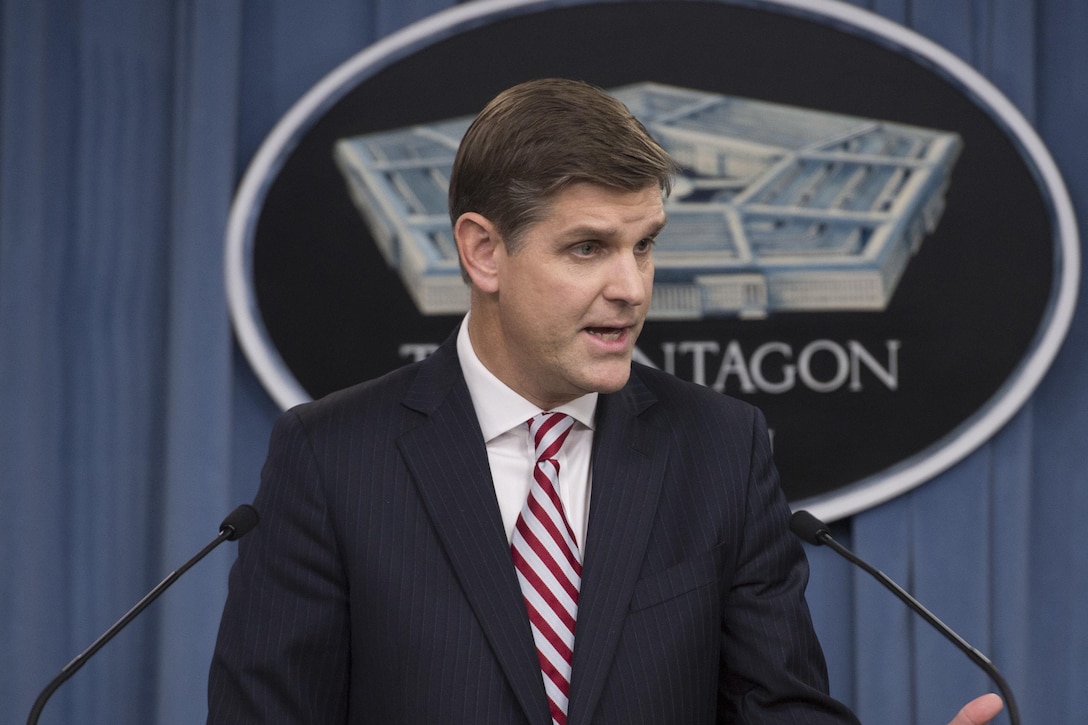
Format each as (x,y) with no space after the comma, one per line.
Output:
(677,397)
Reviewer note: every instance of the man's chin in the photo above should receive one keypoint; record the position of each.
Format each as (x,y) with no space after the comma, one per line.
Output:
(611,381)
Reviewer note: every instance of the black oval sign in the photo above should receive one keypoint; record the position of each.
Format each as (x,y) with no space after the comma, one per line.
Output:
(868,242)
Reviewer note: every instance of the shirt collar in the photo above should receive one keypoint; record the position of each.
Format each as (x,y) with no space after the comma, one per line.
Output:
(498,407)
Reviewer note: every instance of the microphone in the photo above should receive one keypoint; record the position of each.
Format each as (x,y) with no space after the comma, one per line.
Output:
(237,524)
(813,531)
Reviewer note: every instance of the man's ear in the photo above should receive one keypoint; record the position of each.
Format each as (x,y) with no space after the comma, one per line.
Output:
(479,244)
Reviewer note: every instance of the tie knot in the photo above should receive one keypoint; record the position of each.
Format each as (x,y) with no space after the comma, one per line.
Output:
(548,431)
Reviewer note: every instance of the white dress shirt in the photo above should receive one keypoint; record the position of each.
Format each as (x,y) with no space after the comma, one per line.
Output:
(504,416)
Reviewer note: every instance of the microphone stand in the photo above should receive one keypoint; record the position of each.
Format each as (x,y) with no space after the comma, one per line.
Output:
(240,521)
(814,531)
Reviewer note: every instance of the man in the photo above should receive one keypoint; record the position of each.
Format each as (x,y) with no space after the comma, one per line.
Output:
(426,556)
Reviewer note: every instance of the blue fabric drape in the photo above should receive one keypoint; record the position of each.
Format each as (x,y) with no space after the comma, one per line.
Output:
(130,424)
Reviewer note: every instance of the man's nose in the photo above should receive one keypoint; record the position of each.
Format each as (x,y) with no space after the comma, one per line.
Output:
(630,279)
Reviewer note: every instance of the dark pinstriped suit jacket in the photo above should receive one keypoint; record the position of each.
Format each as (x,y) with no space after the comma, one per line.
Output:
(379,586)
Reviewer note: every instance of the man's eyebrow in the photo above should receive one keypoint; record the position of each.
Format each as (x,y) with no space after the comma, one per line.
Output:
(591,230)
(607,230)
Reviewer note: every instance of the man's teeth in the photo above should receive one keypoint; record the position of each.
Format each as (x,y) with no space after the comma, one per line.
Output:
(610,335)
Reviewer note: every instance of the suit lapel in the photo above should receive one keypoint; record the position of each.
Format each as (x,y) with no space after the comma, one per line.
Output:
(448,461)
(627,477)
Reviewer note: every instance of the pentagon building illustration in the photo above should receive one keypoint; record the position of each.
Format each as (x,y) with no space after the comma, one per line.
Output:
(778,208)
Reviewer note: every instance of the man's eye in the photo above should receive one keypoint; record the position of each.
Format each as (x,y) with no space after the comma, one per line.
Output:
(644,245)
(585,248)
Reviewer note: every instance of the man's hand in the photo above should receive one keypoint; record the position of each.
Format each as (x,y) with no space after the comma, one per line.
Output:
(979,711)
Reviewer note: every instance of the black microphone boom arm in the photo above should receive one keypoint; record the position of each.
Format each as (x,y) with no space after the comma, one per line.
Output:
(812,530)
(236,525)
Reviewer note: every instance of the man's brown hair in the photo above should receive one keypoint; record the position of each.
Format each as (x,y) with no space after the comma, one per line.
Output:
(537,138)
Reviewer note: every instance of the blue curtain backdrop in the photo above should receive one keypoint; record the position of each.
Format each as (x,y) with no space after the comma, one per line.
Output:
(130,423)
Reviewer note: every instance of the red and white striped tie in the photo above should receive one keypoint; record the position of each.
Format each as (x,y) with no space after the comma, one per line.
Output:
(548,565)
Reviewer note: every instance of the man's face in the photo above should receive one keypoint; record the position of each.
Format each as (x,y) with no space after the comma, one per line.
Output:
(572,299)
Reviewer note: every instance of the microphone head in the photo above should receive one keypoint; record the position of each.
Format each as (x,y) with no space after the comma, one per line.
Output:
(808,528)
(239,522)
